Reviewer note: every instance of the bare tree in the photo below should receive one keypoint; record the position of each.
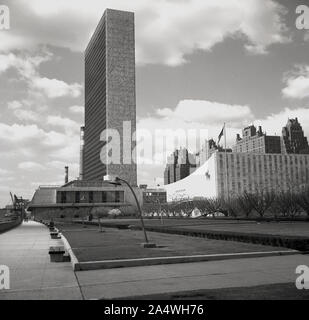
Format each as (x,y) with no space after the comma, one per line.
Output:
(202,205)
(287,204)
(261,200)
(214,205)
(100,212)
(245,204)
(304,200)
(231,206)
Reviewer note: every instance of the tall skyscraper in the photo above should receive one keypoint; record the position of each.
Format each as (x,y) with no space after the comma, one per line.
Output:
(81,155)
(294,140)
(110,95)
(180,164)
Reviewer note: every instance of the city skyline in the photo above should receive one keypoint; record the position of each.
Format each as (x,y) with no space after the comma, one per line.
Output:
(181,163)
(237,77)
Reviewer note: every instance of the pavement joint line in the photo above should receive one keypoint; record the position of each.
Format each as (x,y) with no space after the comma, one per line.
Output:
(162,278)
(123,263)
(38,289)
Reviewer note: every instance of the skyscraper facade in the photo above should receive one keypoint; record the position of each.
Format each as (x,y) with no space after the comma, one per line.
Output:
(110,97)
(294,140)
(180,164)
(256,141)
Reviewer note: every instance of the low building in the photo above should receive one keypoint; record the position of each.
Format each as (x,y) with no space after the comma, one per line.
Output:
(232,174)
(81,197)
(154,196)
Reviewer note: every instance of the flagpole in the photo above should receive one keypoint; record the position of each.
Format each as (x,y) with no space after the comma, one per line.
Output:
(226,167)
(224,135)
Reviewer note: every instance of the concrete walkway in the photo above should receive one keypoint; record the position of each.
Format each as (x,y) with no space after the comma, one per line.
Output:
(32,276)
(138,281)
(25,251)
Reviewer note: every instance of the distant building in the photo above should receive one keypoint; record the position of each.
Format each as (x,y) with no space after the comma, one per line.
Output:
(207,150)
(110,95)
(294,140)
(154,196)
(170,169)
(235,173)
(167,178)
(255,141)
(81,197)
(143,186)
(180,164)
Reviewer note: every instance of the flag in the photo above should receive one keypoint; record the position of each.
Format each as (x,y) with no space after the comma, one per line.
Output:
(221,134)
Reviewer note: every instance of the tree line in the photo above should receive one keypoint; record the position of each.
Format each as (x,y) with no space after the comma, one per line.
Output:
(260,203)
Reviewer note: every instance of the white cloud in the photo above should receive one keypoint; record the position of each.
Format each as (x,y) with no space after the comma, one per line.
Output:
(77,109)
(297,84)
(4,172)
(37,154)
(61,164)
(166,31)
(273,123)
(13,105)
(29,165)
(32,109)
(32,149)
(16,137)
(18,133)
(26,65)
(207,112)
(66,124)
(54,88)
(26,115)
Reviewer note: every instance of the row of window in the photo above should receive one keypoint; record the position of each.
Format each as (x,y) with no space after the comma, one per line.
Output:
(91,197)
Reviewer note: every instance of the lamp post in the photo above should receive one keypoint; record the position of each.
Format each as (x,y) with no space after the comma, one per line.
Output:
(118,181)
(159,203)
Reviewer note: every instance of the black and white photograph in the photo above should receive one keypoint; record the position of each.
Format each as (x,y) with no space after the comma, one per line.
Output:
(154,151)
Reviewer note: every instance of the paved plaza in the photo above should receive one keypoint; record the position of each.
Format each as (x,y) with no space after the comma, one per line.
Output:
(25,251)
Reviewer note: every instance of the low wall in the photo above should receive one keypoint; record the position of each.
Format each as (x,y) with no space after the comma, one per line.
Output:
(291,242)
(6,226)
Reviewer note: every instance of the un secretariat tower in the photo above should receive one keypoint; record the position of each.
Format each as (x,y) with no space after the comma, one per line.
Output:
(110,94)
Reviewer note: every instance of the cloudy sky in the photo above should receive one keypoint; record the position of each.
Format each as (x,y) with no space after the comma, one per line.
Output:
(199,63)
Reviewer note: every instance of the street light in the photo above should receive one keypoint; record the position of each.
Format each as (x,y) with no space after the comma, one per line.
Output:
(159,202)
(117,181)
